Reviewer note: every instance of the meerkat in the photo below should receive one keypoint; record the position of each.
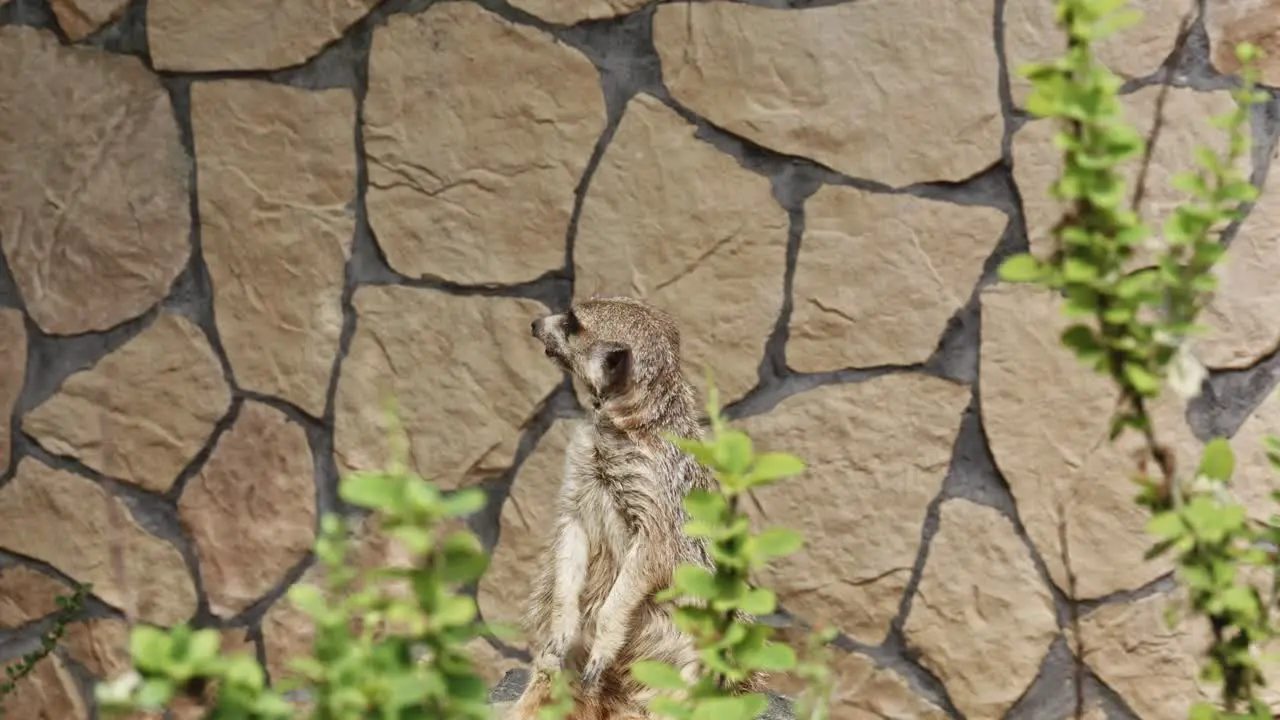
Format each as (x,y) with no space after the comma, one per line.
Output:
(619,530)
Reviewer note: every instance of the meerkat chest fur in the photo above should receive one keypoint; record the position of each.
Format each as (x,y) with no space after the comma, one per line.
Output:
(613,492)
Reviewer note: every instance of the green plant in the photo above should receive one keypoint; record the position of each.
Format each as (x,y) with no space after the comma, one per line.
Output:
(1133,326)
(69,609)
(389,643)
(714,606)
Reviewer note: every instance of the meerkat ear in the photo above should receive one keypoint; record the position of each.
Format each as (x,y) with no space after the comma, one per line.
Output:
(615,370)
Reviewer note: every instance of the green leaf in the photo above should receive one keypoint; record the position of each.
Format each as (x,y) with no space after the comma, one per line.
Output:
(733,452)
(374,491)
(759,601)
(308,598)
(464,502)
(774,466)
(1166,525)
(204,645)
(742,707)
(455,610)
(1203,711)
(666,707)
(704,506)
(696,582)
(1217,462)
(416,539)
(771,657)
(776,542)
(154,694)
(1141,379)
(657,675)
(1022,268)
(149,646)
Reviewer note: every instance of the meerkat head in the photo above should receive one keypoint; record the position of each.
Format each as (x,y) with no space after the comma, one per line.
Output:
(614,346)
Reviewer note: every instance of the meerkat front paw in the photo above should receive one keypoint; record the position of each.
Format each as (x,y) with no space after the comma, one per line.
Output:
(590,680)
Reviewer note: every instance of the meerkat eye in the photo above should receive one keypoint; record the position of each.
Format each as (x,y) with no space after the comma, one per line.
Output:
(571,326)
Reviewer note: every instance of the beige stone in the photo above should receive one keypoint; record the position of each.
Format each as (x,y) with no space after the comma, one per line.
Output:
(27,595)
(197,36)
(288,632)
(981,617)
(143,412)
(1238,21)
(877,452)
(81,18)
(671,219)
(94,204)
(463,372)
(277,176)
(490,664)
(1243,325)
(527,516)
(254,498)
(572,12)
(76,526)
(1188,125)
(13,375)
(101,646)
(1152,666)
(842,84)
(48,693)
(913,264)
(1137,51)
(1254,479)
(474,155)
(1046,416)
(861,690)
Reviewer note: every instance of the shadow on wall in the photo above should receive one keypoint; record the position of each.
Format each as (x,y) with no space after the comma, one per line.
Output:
(229,228)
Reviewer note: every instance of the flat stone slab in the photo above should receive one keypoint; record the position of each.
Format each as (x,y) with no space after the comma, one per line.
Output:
(512,684)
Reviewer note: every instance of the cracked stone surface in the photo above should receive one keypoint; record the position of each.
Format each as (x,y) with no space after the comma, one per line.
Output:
(143,412)
(863,690)
(820,82)
(1137,51)
(449,362)
(916,261)
(491,664)
(198,36)
(27,595)
(876,469)
(277,170)
(383,197)
(81,18)
(1068,476)
(1243,324)
(572,12)
(473,157)
(73,524)
(527,516)
(1253,21)
(94,216)
(1135,652)
(671,219)
(13,373)
(1254,479)
(253,498)
(1187,126)
(48,693)
(982,618)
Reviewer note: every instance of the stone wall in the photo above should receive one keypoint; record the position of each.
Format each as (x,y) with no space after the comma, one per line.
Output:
(230,228)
